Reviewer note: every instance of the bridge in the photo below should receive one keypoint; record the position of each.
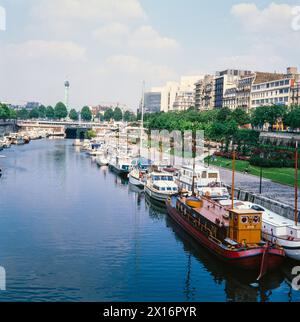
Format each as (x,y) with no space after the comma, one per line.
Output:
(70,129)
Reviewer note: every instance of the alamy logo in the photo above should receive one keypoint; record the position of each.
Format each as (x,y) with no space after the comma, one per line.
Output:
(2,19)
(296,20)
(296,280)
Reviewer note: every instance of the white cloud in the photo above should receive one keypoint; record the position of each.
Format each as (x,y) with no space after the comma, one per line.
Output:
(89,9)
(274,18)
(131,65)
(46,50)
(144,37)
(269,39)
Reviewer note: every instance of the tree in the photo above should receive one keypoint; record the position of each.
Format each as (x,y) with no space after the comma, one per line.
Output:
(42,111)
(274,114)
(34,113)
(91,134)
(118,115)
(108,115)
(129,116)
(60,111)
(223,114)
(86,114)
(13,114)
(4,112)
(73,115)
(22,114)
(240,116)
(293,118)
(50,112)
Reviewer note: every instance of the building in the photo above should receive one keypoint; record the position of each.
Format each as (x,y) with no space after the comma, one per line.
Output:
(152,100)
(179,95)
(205,93)
(184,100)
(275,89)
(32,105)
(224,80)
(295,94)
(229,99)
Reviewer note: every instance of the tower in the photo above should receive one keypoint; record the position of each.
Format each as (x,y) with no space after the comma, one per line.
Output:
(67,88)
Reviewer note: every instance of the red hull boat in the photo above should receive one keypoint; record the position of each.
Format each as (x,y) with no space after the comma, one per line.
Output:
(209,224)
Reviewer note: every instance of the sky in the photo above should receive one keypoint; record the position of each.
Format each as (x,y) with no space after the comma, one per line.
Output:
(107,48)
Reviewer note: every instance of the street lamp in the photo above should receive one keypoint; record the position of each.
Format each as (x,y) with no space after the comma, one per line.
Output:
(261,175)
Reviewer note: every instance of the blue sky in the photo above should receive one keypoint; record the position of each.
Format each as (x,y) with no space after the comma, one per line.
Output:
(107,47)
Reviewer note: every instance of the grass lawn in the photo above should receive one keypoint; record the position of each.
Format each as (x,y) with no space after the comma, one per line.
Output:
(280,175)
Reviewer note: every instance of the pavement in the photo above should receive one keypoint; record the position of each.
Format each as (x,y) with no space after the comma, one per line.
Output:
(270,189)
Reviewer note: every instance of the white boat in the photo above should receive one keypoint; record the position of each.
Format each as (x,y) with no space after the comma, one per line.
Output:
(102,160)
(120,164)
(207,182)
(160,186)
(137,176)
(276,229)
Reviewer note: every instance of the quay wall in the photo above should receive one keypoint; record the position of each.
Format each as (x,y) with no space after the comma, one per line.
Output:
(273,205)
(7,127)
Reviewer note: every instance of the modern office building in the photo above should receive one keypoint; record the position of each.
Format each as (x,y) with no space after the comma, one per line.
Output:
(152,101)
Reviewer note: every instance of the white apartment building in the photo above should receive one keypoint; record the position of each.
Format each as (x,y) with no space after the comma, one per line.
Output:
(272,92)
(179,95)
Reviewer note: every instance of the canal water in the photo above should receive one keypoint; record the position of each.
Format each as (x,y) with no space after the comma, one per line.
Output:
(70,231)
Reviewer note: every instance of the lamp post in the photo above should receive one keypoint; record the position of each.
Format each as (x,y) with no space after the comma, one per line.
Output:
(260,176)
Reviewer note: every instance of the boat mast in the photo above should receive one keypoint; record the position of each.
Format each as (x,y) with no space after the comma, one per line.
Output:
(142,118)
(233,177)
(194,160)
(296,184)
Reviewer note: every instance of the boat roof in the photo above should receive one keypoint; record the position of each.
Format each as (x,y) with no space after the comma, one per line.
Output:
(199,168)
(270,216)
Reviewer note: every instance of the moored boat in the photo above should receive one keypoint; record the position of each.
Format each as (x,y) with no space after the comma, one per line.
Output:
(160,186)
(233,235)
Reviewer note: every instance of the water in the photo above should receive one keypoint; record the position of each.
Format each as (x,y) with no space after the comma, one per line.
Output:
(70,231)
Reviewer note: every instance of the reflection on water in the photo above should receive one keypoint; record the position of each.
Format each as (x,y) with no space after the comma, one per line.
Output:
(71,231)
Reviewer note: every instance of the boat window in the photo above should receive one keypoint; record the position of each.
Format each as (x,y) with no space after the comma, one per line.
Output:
(204,174)
(169,189)
(174,189)
(257,208)
(213,176)
(163,189)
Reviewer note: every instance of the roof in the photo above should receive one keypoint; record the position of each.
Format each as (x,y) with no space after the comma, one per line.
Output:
(262,77)
(245,211)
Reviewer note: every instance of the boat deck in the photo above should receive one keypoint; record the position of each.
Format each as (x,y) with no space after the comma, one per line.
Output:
(212,211)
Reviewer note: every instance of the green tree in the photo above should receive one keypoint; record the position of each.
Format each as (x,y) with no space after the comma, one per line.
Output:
(274,114)
(118,115)
(86,114)
(13,114)
(90,134)
(223,114)
(240,116)
(34,113)
(22,114)
(73,115)
(108,115)
(4,112)
(42,112)
(292,118)
(60,111)
(129,116)
(50,112)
